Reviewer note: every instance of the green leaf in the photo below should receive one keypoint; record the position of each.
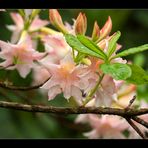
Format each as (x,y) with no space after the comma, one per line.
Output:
(131,51)
(77,45)
(112,43)
(79,57)
(91,45)
(117,70)
(139,76)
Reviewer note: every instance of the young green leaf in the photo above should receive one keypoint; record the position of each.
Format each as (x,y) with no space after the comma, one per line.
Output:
(117,70)
(131,51)
(139,76)
(112,43)
(79,57)
(91,45)
(77,45)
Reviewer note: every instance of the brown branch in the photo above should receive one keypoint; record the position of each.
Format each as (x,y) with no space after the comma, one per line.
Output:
(78,110)
(11,87)
(140,121)
(135,127)
(130,103)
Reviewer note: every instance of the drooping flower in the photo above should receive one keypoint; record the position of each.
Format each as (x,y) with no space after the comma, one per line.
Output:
(36,24)
(106,93)
(66,77)
(104,126)
(19,56)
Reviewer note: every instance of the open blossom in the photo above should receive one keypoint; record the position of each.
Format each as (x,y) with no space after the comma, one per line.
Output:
(66,77)
(19,56)
(40,74)
(105,126)
(106,92)
(36,24)
(56,46)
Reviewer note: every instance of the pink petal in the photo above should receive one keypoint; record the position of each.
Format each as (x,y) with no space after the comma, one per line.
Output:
(15,36)
(92,134)
(5,46)
(108,85)
(17,19)
(67,59)
(67,90)
(103,99)
(37,24)
(6,63)
(53,91)
(50,83)
(23,69)
(76,93)
(81,118)
(38,55)
(27,42)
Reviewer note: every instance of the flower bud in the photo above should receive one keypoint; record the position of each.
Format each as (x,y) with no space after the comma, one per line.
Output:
(96,32)
(81,24)
(56,20)
(106,29)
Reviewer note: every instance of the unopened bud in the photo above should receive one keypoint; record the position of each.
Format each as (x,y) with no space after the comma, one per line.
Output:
(81,24)
(96,32)
(56,20)
(106,29)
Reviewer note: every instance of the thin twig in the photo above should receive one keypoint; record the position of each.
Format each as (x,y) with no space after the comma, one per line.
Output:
(135,128)
(130,103)
(140,121)
(11,87)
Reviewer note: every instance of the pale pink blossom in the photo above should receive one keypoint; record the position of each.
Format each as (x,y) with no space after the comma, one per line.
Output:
(106,93)
(66,77)
(56,46)
(91,74)
(104,126)
(19,56)
(36,24)
(40,74)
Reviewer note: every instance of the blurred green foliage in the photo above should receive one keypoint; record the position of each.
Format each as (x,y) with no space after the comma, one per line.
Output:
(133,25)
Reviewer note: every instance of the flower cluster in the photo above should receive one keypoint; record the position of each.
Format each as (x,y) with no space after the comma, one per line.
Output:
(85,68)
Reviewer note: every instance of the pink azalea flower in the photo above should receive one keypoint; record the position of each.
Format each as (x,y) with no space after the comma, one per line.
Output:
(56,46)
(66,77)
(106,93)
(40,74)
(19,56)
(19,25)
(105,126)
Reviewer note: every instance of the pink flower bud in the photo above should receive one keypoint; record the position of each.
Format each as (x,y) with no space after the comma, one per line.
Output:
(56,20)
(104,32)
(96,32)
(81,24)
